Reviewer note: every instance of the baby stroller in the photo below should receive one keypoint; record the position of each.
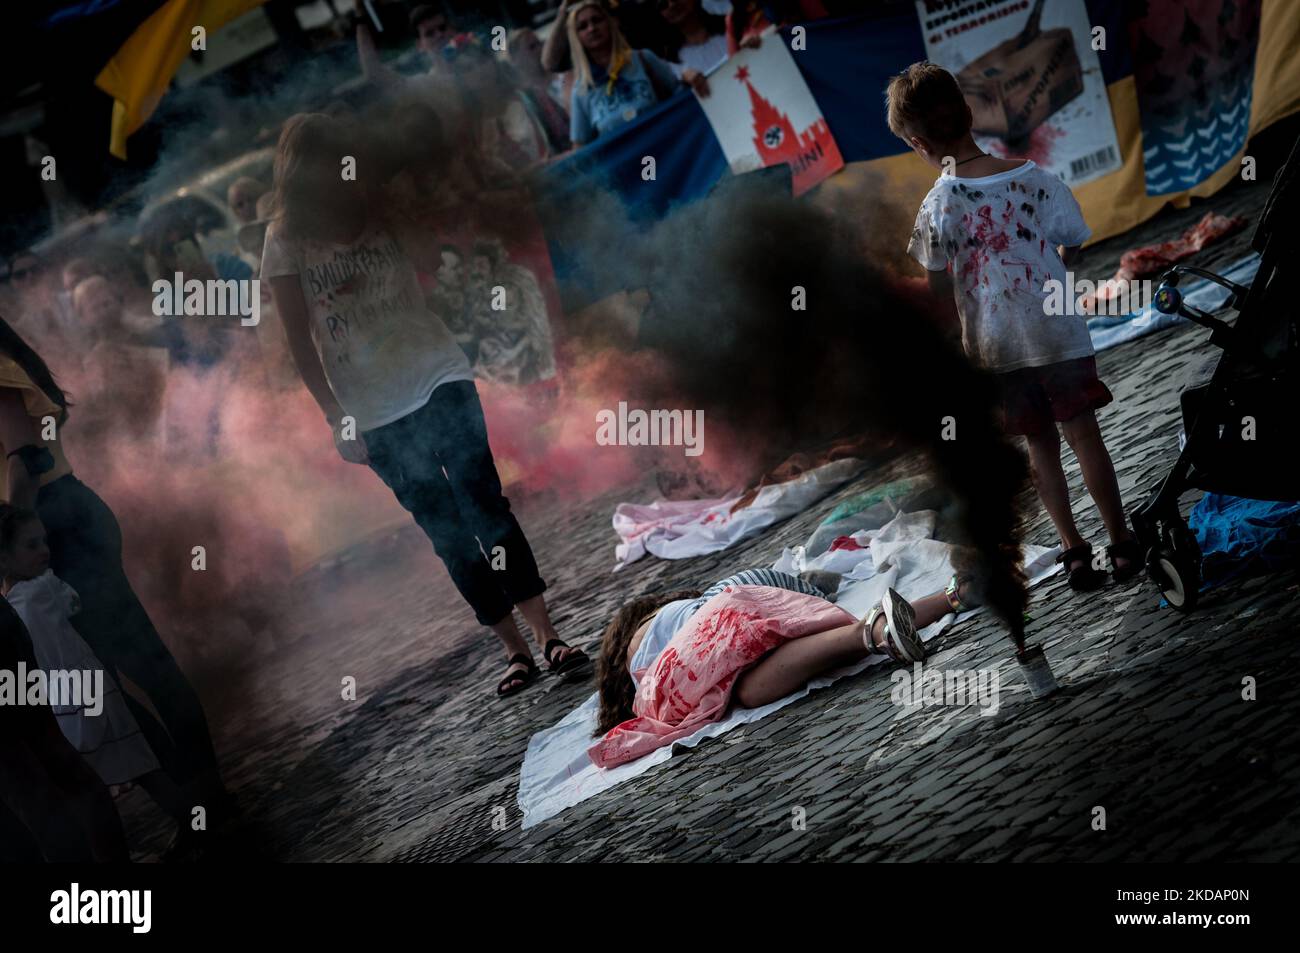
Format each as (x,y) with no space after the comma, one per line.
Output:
(1241,414)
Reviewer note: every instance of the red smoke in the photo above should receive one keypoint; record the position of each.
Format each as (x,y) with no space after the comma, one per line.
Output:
(544,439)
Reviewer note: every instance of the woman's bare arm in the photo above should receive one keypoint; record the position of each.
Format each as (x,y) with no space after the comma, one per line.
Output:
(17,430)
(372,67)
(286,292)
(556,47)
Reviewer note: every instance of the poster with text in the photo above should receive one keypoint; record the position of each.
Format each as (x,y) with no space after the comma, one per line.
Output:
(1032,78)
(763,114)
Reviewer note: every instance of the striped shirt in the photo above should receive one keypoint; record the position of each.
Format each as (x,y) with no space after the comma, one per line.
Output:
(761,577)
(674,615)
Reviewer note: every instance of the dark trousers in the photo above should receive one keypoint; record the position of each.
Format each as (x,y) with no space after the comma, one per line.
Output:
(436,460)
(86,553)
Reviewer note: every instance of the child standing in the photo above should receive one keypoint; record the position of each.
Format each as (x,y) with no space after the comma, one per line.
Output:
(109,740)
(987,234)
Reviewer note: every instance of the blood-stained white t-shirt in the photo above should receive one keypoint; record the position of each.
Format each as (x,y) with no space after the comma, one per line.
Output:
(383,350)
(997,235)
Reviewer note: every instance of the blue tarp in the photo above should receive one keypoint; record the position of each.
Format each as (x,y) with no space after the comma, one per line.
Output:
(1244,537)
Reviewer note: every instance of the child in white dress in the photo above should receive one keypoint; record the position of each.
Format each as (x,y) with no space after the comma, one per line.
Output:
(102,728)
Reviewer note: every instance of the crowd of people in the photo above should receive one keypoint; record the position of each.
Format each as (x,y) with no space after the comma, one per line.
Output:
(377,296)
(475,119)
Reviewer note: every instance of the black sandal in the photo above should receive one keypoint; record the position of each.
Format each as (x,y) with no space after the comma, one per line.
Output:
(1131,550)
(1082,578)
(524,678)
(577,659)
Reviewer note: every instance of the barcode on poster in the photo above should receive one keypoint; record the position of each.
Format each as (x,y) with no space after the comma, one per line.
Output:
(1090,163)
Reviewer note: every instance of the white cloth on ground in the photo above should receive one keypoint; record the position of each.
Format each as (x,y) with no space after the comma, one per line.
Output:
(557,772)
(684,528)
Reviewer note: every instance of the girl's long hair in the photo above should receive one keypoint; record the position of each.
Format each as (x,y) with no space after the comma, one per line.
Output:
(620,50)
(614,681)
(14,347)
(305,138)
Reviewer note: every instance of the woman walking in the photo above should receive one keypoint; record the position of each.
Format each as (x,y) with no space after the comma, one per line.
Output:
(395,387)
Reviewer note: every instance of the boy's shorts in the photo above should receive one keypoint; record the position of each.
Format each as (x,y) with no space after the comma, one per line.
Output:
(1035,399)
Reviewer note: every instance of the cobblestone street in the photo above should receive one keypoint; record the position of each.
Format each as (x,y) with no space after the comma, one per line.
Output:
(1151,723)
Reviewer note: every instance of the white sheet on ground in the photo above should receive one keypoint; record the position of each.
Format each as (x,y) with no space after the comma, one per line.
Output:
(1109,330)
(556,773)
(684,528)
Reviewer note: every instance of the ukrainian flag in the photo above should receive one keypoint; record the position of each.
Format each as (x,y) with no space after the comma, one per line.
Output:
(139,74)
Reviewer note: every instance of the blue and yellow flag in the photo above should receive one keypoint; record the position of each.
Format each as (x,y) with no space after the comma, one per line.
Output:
(140,72)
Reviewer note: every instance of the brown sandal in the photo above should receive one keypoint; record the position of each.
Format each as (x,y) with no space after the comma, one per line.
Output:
(1083,577)
(1129,550)
(525,678)
(571,663)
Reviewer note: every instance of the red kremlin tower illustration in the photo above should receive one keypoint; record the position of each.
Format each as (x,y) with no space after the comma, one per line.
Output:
(812,155)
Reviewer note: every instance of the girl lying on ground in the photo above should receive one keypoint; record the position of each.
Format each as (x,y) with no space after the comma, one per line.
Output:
(670,664)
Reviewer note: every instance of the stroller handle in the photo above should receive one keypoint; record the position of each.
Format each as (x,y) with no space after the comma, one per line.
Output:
(1169,300)
(1171,278)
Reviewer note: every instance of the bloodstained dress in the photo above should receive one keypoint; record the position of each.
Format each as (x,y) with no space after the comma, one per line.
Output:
(690,682)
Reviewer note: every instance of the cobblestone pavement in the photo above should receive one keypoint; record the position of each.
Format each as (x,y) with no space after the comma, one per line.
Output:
(1151,724)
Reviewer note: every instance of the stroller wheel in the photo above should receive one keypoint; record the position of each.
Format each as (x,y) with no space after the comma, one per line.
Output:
(1177,576)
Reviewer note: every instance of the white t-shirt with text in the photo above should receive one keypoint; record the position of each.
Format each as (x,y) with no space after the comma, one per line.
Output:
(383,350)
(997,236)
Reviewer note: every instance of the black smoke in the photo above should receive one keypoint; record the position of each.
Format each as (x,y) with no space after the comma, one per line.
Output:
(864,355)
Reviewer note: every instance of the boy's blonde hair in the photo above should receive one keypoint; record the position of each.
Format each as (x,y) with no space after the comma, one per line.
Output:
(925,100)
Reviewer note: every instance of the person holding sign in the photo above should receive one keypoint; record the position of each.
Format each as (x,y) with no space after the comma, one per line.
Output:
(614,83)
